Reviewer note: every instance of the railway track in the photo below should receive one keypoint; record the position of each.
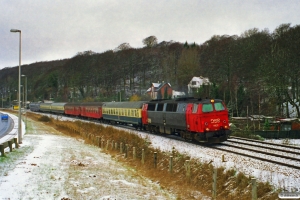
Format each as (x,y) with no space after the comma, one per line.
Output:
(263,142)
(284,155)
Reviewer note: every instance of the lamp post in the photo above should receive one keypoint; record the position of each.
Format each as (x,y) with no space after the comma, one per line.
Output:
(9,98)
(19,89)
(25,102)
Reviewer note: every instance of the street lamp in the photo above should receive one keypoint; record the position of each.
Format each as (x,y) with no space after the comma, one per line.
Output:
(19,89)
(9,98)
(25,102)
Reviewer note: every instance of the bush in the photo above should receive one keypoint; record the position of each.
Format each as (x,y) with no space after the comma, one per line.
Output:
(44,119)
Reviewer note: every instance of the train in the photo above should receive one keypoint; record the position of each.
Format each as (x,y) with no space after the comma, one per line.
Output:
(200,120)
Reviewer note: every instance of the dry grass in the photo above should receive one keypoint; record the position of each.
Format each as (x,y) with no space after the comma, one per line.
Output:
(230,184)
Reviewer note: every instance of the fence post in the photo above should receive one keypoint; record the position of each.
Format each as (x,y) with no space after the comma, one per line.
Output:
(102,143)
(171,164)
(155,159)
(254,192)
(214,190)
(143,156)
(16,143)
(107,143)
(2,150)
(126,150)
(223,158)
(112,145)
(188,170)
(10,145)
(116,146)
(121,147)
(97,143)
(133,152)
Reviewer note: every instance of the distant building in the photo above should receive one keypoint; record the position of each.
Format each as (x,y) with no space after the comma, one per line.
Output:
(196,83)
(160,91)
(177,94)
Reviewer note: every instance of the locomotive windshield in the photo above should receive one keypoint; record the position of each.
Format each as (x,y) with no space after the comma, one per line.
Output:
(208,107)
(219,106)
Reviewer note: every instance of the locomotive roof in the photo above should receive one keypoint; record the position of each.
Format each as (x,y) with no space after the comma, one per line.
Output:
(186,100)
(127,104)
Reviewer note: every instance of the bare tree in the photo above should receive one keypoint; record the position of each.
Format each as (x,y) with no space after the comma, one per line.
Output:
(123,46)
(150,41)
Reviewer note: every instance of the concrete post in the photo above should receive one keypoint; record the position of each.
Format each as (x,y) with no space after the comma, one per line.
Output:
(155,159)
(171,164)
(133,152)
(188,170)
(214,190)
(254,189)
(143,156)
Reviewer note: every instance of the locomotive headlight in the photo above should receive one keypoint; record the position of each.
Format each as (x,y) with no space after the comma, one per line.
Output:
(226,127)
(207,129)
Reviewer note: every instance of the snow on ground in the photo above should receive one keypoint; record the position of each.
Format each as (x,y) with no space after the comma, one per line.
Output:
(278,176)
(73,170)
(50,165)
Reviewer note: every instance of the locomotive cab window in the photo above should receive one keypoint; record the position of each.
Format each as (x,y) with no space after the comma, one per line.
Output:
(151,106)
(160,107)
(171,107)
(207,107)
(219,106)
(195,108)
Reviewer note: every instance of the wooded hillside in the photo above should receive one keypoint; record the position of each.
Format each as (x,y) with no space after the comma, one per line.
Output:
(258,70)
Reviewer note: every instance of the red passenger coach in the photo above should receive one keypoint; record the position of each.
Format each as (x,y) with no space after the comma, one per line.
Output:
(92,110)
(72,109)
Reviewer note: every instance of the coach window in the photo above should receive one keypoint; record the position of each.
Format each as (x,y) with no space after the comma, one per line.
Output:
(207,107)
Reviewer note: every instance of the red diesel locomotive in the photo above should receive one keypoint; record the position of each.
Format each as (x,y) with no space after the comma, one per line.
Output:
(190,118)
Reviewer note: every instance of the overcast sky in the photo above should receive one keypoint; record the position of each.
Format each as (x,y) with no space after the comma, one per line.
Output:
(58,29)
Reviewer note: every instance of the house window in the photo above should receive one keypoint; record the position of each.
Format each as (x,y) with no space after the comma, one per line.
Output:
(194,82)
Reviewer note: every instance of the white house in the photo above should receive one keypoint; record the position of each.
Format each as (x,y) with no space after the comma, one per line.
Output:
(197,82)
(177,94)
